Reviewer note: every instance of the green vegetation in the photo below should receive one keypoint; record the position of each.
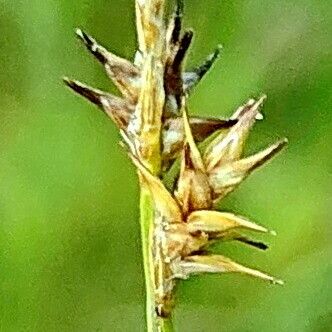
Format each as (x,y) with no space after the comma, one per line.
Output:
(70,256)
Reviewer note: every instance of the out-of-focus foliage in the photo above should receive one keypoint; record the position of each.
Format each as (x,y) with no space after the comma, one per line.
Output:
(70,255)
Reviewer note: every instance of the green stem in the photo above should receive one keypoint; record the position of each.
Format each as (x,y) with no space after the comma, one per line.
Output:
(165,325)
(146,219)
(153,322)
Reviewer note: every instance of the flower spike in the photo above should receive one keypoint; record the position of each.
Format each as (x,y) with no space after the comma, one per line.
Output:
(195,155)
(183,48)
(224,149)
(257,244)
(226,177)
(178,224)
(173,75)
(118,109)
(193,77)
(220,264)
(123,73)
(175,26)
(218,222)
(237,236)
(164,202)
(240,111)
(193,188)
(173,134)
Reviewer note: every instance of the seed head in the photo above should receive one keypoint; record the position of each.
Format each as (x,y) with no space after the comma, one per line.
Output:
(153,119)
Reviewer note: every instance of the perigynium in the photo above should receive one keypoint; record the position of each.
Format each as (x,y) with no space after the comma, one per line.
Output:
(177,225)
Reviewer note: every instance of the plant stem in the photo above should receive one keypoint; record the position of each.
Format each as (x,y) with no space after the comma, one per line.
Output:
(165,325)
(146,220)
(151,34)
(154,323)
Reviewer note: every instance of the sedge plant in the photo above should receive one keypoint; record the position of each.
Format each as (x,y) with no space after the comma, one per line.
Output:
(179,221)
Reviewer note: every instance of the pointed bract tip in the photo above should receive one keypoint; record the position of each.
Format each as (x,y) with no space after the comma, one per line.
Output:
(183,48)
(260,101)
(69,83)
(176,23)
(98,51)
(209,61)
(86,39)
(259,116)
(73,84)
(257,244)
(217,51)
(262,98)
(193,77)
(179,7)
(218,222)
(281,144)
(219,264)
(93,95)
(187,38)
(252,105)
(79,32)
(191,152)
(66,79)
(278,282)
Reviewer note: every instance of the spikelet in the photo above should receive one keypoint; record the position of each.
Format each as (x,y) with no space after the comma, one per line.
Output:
(152,117)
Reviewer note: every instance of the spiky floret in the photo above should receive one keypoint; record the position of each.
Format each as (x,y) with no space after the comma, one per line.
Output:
(185,219)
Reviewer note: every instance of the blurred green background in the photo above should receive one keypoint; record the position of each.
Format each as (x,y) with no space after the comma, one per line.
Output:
(70,256)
